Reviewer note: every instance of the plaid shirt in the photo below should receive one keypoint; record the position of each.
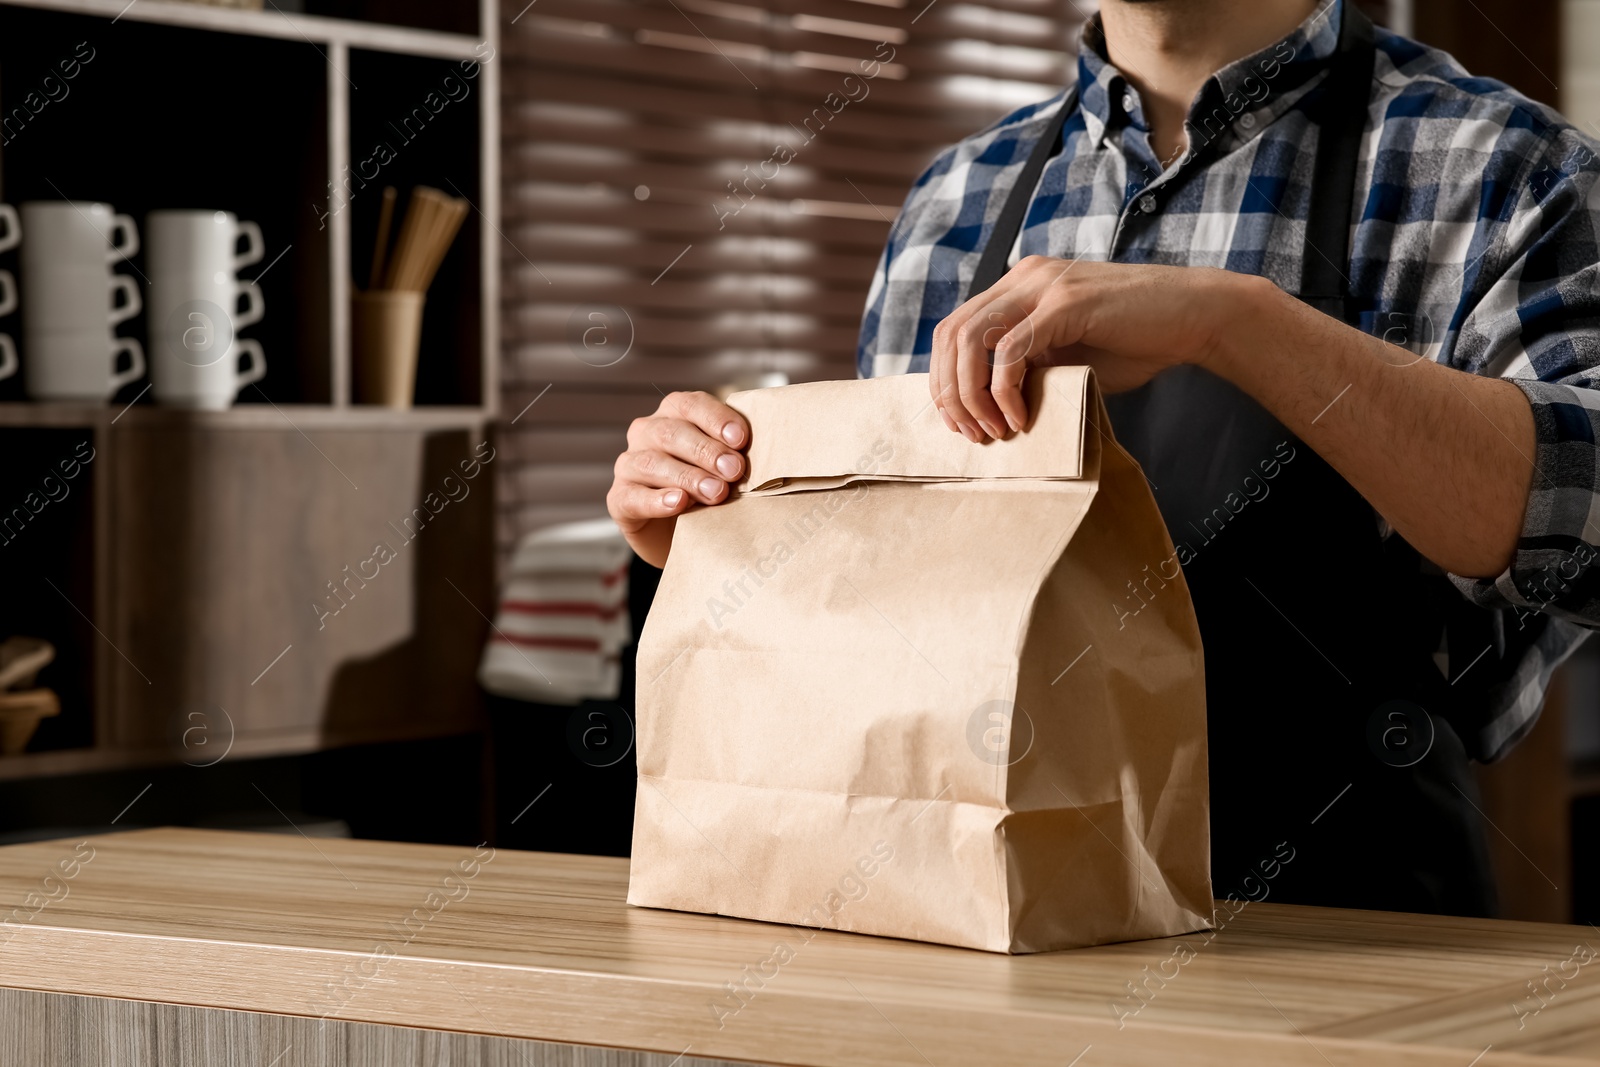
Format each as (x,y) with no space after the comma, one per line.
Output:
(1475,245)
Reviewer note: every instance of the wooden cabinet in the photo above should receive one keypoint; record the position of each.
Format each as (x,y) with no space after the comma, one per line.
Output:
(181,576)
(297,590)
(219,580)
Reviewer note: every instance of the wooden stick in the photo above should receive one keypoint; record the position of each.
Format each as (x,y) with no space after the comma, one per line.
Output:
(429,236)
(441,222)
(452,225)
(381,244)
(438,242)
(426,202)
(402,247)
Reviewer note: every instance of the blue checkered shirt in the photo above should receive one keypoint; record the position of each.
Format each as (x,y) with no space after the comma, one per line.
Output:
(1474,244)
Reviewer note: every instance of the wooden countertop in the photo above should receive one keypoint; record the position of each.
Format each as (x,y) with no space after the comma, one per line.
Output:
(541,946)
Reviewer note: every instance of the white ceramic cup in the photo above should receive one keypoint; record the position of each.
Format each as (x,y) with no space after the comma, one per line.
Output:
(170,309)
(194,345)
(66,299)
(70,299)
(211,386)
(189,243)
(65,233)
(11,227)
(80,365)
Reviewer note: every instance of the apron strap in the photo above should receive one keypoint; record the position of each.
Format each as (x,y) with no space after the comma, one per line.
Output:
(992,264)
(1340,111)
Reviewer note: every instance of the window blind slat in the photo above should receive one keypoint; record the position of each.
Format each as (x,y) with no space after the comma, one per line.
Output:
(698,146)
(911,130)
(967,50)
(691,222)
(647,66)
(613,248)
(685,372)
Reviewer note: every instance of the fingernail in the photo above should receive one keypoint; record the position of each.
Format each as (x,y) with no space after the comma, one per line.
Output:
(949,423)
(728,466)
(969,433)
(991,431)
(673,498)
(733,433)
(710,487)
(1012,423)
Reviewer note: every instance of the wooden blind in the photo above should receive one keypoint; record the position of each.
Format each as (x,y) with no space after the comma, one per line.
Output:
(696,191)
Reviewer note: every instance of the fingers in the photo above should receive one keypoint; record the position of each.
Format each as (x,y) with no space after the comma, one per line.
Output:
(688,442)
(944,365)
(982,349)
(686,453)
(1026,342)
(653,469)
(632,505)
(958,368)
(974,341)
(714,418)
(937,389)
(1005,385)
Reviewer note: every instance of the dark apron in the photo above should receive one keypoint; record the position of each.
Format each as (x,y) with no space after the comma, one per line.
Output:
(1329,722)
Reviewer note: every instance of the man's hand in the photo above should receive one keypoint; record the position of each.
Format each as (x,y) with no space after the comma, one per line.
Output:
(687,451)
(1445,456)
(1127,321)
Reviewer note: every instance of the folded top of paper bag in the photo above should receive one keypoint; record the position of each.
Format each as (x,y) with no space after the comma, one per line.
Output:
(794,444)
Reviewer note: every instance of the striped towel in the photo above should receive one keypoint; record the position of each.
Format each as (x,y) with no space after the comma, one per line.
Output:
(563,616)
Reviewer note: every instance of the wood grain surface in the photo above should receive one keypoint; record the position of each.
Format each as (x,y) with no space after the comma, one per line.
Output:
(543,947)
(57,1030)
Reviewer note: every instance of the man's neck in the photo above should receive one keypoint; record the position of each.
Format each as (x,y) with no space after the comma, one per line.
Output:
(1168,48)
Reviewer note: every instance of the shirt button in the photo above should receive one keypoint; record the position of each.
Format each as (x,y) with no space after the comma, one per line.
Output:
(1127,102)
(1247,121)
(1147,204)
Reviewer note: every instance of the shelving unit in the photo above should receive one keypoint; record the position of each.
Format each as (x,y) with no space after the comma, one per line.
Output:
(194,545)
(273,116)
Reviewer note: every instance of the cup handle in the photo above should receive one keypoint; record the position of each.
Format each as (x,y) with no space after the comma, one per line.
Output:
(128,247)
(8,302)
(255,306)
(257,364)
(135,369)
(255,247)
(133,302)
(13,234)
(8,356)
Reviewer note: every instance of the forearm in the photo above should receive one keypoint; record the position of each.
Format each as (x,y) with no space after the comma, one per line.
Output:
(1445,456)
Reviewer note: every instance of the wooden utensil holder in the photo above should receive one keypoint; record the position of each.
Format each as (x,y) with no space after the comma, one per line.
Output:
(386,325)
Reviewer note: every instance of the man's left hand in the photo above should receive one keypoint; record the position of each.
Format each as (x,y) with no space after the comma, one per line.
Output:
(1127,321)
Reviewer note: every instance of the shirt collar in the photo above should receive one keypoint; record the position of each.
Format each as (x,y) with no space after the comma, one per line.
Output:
(1263,85)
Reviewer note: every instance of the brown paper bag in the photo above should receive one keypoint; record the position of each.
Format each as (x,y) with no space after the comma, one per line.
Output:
(897,685)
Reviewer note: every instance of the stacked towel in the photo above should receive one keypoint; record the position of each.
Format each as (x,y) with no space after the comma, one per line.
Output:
(563,616)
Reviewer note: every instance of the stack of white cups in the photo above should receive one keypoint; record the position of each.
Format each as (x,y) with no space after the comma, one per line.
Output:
(9,239)
(196,359)
(70,301)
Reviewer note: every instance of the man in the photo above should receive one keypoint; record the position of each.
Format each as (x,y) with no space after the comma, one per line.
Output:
(1346,297)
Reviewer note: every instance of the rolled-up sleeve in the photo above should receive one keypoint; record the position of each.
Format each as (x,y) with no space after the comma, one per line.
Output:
(1530,313)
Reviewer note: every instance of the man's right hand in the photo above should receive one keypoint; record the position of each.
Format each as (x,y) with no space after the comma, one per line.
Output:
(687,452)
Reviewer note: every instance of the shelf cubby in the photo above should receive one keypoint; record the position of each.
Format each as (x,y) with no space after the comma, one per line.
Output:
(192,549)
